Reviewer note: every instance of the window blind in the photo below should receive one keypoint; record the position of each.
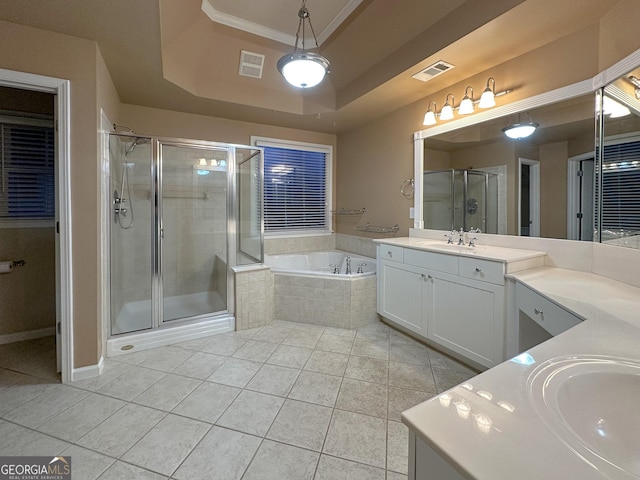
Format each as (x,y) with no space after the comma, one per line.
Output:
(621,188)
(27,172)
(295,189)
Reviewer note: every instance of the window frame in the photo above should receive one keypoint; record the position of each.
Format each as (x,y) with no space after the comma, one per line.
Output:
(259,141)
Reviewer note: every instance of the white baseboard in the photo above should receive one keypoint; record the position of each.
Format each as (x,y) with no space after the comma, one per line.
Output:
(89,371)
(28,335)
(136,342)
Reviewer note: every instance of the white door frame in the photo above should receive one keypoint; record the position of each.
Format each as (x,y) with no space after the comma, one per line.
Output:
(64,280)
(573,194)
(534,195)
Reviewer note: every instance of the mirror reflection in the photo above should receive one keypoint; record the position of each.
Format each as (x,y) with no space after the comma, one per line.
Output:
(542,185)
(528,176)
(619,223)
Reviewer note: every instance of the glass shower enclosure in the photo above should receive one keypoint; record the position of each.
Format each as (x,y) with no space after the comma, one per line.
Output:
(455,199)
(173,238)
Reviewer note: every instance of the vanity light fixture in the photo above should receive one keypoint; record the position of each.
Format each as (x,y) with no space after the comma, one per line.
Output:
(635,81)
(466,105)
(488,97)
(520,130)
(303,69)
(430,116)
(447,110)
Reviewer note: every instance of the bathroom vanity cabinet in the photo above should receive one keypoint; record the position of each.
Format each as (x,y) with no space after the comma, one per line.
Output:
(538,318)
(451,301)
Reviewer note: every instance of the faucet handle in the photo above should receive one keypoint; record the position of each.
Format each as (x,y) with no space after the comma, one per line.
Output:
(335,267)
(450,236)
(472,242)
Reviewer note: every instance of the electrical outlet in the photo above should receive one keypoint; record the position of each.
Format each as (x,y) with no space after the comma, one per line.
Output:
(412,212)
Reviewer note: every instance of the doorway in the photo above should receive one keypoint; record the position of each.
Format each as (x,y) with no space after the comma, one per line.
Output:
(528,197)
(59,219)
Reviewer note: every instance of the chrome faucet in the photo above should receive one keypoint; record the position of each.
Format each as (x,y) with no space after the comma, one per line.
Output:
(472,242)
(450,237)
(461,236)
(360,270)
(348,271)
(335,268)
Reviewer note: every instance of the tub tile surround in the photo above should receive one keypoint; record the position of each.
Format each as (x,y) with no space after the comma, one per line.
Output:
(296,409)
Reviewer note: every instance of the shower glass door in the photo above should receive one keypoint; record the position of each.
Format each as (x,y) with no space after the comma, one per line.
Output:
(132,222)
(476,201)
(192,240)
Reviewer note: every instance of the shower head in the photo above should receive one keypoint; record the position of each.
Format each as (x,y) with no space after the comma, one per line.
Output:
(134,143)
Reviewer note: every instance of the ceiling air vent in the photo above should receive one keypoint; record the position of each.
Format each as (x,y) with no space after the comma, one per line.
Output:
(433,71)
(251,64)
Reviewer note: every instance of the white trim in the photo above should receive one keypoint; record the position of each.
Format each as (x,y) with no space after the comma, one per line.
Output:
(418,183)
(106,126)
(60,87)
(273,34)
(28,335)
(169,334)
(89,371)
(573,193)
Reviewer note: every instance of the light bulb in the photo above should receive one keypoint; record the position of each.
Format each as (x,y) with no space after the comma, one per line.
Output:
(429,118)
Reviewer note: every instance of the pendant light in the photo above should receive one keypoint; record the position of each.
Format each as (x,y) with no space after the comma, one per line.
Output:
(520,130)
(303,69)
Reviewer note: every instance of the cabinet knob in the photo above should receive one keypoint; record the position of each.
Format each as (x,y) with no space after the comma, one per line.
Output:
(390,254)
(538,312)
(478,270)
(425,276)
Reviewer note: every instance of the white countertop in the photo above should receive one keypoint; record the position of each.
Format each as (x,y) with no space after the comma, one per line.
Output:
(519,444)
(487,252)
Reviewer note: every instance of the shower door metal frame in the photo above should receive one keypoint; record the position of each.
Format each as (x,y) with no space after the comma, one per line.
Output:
(158,230)
(465,180)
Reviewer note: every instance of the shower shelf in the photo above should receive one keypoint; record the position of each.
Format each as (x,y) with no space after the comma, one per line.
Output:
(188,195)
(377,229)
(343,211)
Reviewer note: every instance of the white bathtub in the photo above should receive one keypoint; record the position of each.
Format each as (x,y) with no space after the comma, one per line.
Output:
(307,291)
(320,263)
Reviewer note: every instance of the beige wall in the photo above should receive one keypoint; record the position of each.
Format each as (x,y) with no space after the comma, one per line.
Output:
(31,50)
(28,294)
(553,200)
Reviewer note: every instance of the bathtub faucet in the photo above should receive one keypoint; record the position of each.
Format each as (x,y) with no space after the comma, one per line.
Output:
(348,271)
(335,268)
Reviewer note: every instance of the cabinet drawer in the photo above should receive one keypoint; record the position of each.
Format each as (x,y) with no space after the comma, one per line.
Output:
(391,252)
(484,270)
(553,318)
(433,261)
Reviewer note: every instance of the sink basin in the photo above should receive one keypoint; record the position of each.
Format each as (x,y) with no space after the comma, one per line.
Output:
(593,405)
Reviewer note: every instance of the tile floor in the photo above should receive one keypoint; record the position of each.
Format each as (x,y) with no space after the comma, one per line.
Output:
(286,401)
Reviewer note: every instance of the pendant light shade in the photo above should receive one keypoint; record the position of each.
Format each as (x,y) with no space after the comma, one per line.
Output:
(300,68)
(520,130)
(488,98)
(303,69)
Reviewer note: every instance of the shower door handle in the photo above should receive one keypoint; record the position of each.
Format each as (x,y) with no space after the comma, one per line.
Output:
(161,232)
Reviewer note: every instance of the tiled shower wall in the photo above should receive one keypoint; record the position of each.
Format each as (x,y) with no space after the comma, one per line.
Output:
(254,298)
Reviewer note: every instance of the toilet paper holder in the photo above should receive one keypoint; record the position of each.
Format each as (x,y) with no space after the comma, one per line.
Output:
(18,263)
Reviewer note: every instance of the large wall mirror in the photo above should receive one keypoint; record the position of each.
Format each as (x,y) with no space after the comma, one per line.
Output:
(545,185)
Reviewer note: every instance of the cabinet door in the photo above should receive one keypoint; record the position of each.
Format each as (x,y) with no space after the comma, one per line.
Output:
(467,317)
(400,295)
